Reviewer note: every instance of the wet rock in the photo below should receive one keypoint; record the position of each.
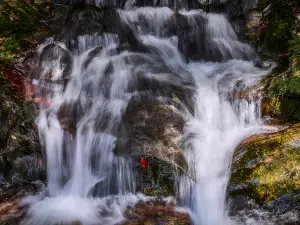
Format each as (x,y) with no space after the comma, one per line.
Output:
(80,20)
(264,181)
(19,143)
(176,86)
(28,169)
(249,5)
(157,179)
(4,128)
(253,19)
(55,65)
(245,17)
(239,203)
(209,2)
(265,168)
(212,6)
(92,54)
(234,9)
(155,213)
(68,115)
(191,47)
(11,211)
(153,129)
(84,20)
(285,203)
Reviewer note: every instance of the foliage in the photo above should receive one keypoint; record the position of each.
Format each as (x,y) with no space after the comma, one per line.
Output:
(280,24)
(281,38)
(295,52)
(8,49)
(19,19)
(288,83)
(285,87)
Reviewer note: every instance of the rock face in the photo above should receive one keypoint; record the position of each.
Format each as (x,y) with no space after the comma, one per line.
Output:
(152,124)
(153,130)
(22,169)
(20,157)
(266,168)
(245,16)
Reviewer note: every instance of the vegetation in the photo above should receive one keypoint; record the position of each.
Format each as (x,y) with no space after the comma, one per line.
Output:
(289,81)
(269,165)
(284,88)
(282,39)
(19,22)
(279,23)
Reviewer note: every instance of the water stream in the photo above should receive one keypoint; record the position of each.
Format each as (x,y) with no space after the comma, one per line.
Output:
(84,175)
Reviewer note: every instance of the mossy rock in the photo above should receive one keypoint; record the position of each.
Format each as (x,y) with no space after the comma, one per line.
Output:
(267,166)
(157,179)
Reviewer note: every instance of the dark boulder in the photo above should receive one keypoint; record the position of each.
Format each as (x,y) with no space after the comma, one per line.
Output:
(150,128)
(28,169)
(4,128)
(68,115)
(54,66)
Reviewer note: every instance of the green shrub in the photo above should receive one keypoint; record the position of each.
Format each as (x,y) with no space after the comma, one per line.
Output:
(279,32)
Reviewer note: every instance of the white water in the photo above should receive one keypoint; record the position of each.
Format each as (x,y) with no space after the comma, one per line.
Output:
(217,128)
(83,173)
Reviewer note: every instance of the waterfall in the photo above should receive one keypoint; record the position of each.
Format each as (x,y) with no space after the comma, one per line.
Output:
(85,91)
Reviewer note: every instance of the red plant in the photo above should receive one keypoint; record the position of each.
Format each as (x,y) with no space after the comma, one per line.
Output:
(143,163)
(265,26)
(15,79)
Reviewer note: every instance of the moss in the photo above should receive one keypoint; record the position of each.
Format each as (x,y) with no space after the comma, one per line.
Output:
(269,165)
(8,49)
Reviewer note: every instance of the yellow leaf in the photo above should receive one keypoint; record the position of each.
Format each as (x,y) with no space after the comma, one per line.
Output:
(13,137)
(176,99)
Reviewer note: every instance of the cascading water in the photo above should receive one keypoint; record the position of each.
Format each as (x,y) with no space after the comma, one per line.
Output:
(220,123)
(81,113)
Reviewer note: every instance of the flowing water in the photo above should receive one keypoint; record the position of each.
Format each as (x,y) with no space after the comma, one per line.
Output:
(86,181)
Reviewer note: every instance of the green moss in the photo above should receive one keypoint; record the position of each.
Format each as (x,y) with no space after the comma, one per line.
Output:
(269,165)
(9,47)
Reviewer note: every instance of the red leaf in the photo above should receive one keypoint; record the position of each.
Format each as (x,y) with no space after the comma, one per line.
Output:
(143,163)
